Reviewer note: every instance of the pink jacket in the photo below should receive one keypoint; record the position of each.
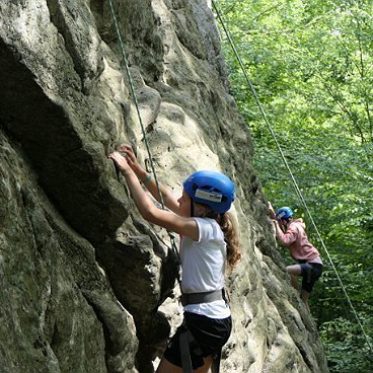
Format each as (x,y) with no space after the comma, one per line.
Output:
(295,238)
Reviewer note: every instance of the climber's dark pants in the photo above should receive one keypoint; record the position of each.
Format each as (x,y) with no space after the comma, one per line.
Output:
(310,273)
(209,336)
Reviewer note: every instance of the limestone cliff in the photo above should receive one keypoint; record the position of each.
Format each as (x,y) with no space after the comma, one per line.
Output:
(82,275)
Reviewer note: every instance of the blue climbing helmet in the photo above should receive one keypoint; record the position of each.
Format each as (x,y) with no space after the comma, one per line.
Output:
(284,213)
(211,188)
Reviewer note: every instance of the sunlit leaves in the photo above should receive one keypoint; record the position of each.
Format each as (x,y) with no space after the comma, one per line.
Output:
(311,63)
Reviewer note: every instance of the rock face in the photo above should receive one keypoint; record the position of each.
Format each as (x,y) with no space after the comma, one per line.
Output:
(82,275)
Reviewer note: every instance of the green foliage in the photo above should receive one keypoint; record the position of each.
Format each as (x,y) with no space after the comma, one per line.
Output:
(311,64)
(340,338)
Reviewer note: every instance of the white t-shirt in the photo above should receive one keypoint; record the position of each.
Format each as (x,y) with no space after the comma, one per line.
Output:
(203,267)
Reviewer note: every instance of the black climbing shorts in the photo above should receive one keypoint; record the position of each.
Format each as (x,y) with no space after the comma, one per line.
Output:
(209,336)
(310,272)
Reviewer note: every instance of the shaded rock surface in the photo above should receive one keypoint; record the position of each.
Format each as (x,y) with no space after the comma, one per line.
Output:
(83,278)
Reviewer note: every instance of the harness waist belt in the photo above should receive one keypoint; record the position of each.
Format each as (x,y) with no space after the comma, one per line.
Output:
(206,297)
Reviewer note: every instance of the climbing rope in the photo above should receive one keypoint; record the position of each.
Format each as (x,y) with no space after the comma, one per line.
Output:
(297,189)
(133,94)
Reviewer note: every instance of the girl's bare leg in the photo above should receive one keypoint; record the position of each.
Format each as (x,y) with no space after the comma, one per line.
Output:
(294,271)
(166,367)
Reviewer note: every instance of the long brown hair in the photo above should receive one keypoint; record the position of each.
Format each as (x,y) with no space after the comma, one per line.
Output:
(229,227)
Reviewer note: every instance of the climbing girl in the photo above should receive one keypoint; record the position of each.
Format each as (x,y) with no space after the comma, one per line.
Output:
(291,233)
(208,240)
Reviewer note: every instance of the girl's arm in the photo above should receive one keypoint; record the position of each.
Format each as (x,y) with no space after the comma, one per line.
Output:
(286,238)
(166,219)
(271,211)
(169,199)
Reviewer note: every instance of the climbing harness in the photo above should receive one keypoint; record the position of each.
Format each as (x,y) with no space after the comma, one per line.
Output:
(215,367)
(186,338)
(206,297)
(295,184)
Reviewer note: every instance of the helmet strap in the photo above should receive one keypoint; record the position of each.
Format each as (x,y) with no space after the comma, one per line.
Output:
(208,213)
(212,215)
(191,208)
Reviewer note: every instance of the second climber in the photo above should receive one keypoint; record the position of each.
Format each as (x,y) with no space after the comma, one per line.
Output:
(291,233)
